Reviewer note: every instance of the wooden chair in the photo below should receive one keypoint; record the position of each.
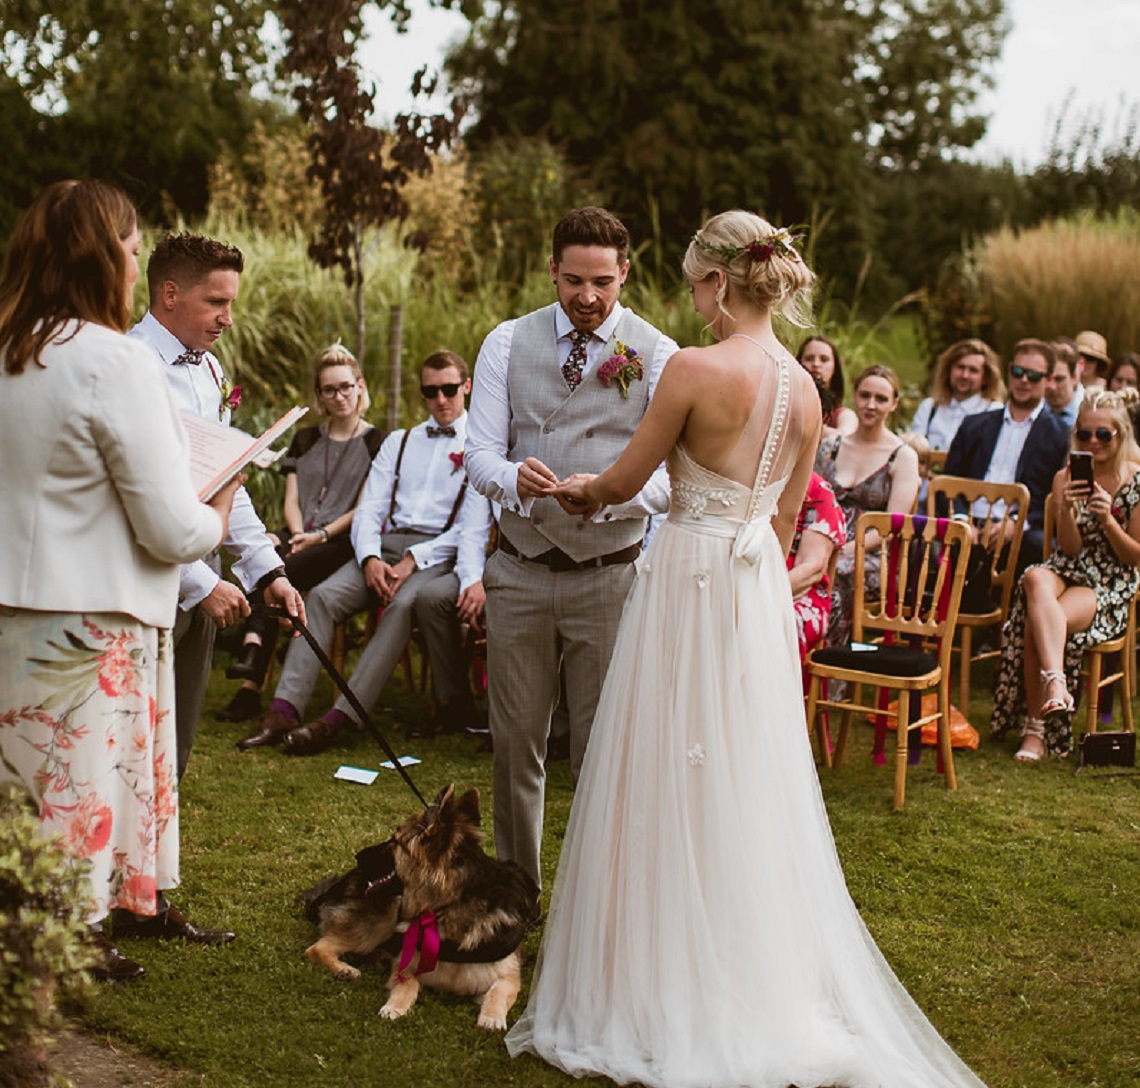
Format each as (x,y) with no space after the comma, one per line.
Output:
(823,731)
(1123,668)
(1014,510)
(937,462)
(923,568)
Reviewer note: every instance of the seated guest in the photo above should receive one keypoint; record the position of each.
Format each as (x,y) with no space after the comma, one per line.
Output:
(1125,372)
(419,538)
(324,470)
(967,380)
(1094,351)
(870,469)
(1025,443)
(1063,388)
(1079,596)
(99,511)
(820,358)
(820,529)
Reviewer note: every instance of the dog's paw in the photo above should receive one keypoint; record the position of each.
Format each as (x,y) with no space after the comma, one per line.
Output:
(391,1012)
(492,1023)
(345,971)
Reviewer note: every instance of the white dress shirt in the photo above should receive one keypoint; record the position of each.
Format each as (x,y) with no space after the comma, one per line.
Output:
(430,479)
(198,389)
(941,424)
(1010,443)
(487,464)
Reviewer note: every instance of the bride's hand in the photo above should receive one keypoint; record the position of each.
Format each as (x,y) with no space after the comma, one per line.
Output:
(573,497)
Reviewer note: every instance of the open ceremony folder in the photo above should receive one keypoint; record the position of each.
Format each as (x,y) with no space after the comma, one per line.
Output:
(218,453)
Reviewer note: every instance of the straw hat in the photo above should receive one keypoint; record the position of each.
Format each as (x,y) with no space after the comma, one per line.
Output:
(1093,345)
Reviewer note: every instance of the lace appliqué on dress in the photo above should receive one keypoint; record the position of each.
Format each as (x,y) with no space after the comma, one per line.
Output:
(694,499)
(696,756)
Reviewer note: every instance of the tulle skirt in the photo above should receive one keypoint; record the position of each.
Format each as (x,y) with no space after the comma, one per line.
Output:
(701,932)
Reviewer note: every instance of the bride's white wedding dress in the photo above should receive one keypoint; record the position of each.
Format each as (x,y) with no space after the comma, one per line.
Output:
(701,932)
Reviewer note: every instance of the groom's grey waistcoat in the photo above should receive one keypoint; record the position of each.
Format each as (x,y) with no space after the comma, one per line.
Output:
(580,431)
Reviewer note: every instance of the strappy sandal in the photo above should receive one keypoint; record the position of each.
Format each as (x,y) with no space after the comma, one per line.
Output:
(310,739)
(1034,730)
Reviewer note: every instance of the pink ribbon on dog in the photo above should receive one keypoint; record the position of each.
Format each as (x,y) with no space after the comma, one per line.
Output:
(422,936)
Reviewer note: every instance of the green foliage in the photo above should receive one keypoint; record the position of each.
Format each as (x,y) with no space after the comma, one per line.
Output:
(42,947)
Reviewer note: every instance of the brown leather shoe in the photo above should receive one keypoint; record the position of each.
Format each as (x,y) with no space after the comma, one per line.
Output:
(112,965)
(170,923)
(311,738)
(271,730)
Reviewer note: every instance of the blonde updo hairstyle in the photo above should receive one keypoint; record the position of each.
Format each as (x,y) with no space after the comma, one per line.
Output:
(1121,404)
(338,355)
(779,282)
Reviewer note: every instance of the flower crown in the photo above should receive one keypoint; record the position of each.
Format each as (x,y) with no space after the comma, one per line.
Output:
(761,248)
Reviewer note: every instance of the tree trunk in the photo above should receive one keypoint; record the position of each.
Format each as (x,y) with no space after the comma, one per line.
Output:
(358,294)
(395,351)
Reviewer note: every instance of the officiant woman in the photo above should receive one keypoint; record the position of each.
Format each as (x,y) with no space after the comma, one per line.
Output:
(99,512)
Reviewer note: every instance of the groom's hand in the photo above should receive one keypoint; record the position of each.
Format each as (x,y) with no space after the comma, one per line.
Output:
(535,480)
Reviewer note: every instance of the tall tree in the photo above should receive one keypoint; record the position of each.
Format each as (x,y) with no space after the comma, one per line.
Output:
(679,107)
(361,170)
(144,92)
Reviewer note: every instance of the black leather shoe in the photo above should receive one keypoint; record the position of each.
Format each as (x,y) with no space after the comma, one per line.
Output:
(112,965)
(243,668)
(169,924)
(271,730)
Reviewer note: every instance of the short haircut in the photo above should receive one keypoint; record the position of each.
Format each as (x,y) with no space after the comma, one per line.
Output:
(1040,347)
(1067,353)
(591,226)
(188,259)
(443,359)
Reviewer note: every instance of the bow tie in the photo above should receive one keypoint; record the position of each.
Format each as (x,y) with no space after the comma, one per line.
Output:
(190,358)
(436,432)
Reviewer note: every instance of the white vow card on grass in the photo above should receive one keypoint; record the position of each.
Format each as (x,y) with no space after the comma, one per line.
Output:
(405,761)
(356,774)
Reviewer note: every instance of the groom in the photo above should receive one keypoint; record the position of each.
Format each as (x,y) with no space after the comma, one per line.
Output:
(558,391)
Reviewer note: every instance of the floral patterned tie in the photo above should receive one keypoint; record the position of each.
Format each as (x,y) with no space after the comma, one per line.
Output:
(576,360)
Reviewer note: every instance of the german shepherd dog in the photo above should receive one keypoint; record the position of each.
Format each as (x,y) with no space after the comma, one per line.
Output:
(430,883)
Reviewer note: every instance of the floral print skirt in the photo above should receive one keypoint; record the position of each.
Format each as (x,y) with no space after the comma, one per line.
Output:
(87,727)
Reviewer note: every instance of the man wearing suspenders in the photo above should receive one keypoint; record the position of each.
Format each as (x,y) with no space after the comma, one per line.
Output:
(420,537)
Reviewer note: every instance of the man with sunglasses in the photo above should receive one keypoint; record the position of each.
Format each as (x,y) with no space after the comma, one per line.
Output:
(420,538)
(1025,443)
(558,391)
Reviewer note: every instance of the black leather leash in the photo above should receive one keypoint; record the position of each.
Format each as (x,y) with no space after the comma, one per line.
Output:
(349,694)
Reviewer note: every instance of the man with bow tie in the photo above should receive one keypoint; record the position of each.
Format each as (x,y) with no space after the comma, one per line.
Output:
(193,282)
(420,537)
(558,391)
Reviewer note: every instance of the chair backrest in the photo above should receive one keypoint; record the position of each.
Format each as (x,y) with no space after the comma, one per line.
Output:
(1004,506)
(1047,543)
(937,462)
(922,570)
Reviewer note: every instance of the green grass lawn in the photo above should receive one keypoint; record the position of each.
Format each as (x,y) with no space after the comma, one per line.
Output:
(1010,910)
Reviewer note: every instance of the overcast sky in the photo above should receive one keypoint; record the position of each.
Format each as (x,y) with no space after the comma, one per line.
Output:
(1087,48)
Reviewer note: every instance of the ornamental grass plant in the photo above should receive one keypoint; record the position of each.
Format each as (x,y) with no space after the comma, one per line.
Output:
(1007,909)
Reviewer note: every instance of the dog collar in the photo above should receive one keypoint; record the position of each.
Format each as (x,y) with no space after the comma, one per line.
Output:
(422,936)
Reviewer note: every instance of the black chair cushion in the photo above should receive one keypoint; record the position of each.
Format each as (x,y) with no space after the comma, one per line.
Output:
(887,660)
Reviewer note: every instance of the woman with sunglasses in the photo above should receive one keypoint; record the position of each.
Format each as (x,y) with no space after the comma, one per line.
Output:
(1079,596)
(325,468)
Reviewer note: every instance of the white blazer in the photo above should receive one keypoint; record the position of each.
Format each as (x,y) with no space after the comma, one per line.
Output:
(97,510)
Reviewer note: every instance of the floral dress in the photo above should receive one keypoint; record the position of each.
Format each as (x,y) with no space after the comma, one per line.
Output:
(871,493)
(1099,568)
(87,727)
(820,513)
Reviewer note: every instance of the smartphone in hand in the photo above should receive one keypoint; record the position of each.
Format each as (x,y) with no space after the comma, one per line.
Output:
(1081,469)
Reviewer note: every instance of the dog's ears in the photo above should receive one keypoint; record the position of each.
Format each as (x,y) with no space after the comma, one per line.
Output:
(436,807)
(469,806)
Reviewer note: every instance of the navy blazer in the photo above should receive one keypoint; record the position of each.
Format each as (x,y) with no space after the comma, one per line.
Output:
(1045,452)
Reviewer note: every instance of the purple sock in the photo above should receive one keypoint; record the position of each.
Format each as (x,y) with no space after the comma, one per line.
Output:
(334,717)
(286,710)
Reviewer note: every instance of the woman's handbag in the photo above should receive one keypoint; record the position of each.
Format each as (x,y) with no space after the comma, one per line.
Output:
(1107,750)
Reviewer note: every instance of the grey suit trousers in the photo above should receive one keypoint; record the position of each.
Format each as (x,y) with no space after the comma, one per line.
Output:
(194,634)
(427,598)
(539,622)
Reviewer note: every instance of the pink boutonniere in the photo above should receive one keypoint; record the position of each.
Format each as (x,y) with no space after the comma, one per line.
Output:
(231,396)
(624,367)
(457,461)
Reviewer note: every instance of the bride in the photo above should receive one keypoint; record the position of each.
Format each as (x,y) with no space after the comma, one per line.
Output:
(700,931)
